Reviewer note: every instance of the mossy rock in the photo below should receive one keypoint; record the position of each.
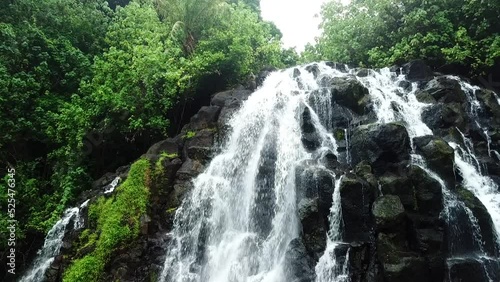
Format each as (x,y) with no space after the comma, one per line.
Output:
(438,155)
(389,212)
(117,221)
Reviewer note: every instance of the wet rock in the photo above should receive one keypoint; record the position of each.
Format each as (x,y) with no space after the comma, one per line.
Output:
(337,66)
(363,264)
(393,184)
(417,71)
(483,218)
(445,90)
(380,144)
(199,147)
(364,170)
(491,105)
(466,270)
(427,192)
(314,227)
(398,262)
(296,72)
(444,116)
(424,97)
(357,197)
(408,269)
(220,99)
(350,93)
(310,136)
(388,212)
(189,169)
(363,73)
(438,155)
(314,69)
(300,268)
(205,118)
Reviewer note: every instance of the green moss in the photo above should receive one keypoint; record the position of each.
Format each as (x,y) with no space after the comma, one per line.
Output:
(86,240)
(339,134)
(117,223)
(171,210)
(190,134)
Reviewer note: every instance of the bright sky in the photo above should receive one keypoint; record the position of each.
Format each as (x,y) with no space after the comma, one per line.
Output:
(298,20)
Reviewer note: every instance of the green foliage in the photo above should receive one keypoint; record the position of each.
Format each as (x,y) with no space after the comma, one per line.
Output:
(138,75)
(239,45)
(73,69)
(117,223)
(190,134)
(189,18)
(385,32)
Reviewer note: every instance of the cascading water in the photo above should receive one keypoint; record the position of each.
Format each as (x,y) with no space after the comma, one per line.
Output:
(112,186)
(238,220)
(393,103)
(328,269)
(241,214)
(53,243)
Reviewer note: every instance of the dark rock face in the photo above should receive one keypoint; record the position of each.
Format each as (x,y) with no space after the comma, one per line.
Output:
(388,212)
(439,156)
(349,93)
(310,137)
(446,90)
(440,116)
(382,145)
(483,219)
(314,227)
(300,267)
(357,197)
(417,71)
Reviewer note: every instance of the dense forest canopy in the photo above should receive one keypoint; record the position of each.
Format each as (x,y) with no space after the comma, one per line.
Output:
(463,33)
(85,84)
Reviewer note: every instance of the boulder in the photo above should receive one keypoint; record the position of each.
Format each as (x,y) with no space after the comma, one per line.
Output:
(424,97)
(394,184)
(484,220)
(219,99)
(300,268)
(205,118)
(199,146)
(466,270)
(398,263)
(438,155)
(441,116)
(263,74)
(427,192)
(337,66)
(314,227)
(356,201)
(446,90)
(169,146)
(389,213)
(314,69)
(310,137)
(381,145)
(417,71)
(491,107)
(350,93)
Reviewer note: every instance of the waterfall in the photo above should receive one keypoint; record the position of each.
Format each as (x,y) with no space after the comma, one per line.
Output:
(394,103)
(108,189)
(238,220)
(242,212)
(53,243)
(328,269)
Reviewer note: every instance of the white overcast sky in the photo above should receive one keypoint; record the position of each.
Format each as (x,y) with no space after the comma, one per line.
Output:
(298,20)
